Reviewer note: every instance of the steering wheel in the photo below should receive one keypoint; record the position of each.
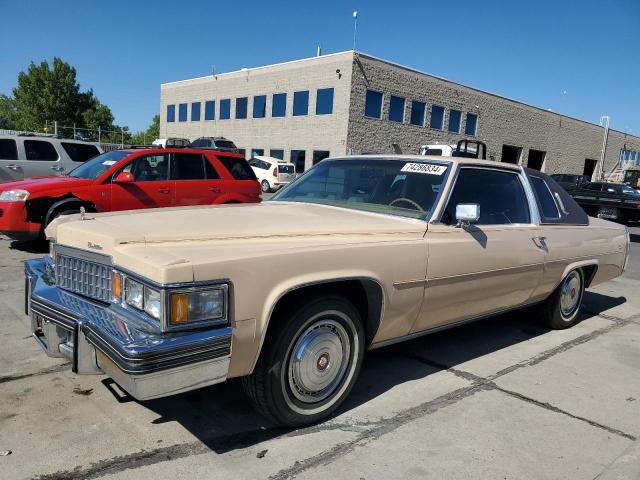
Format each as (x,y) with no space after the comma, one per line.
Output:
(407,200)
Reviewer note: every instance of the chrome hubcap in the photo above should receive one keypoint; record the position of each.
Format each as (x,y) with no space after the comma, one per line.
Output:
(318,361)
(570,294)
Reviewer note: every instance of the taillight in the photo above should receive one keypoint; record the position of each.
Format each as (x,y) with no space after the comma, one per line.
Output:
(275,172)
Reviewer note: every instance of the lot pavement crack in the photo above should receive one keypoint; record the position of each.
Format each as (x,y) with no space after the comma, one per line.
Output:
(125,462)
(56,368)
(555,409)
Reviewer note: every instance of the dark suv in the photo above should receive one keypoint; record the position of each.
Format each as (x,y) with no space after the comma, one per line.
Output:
(571,182)
(215,143)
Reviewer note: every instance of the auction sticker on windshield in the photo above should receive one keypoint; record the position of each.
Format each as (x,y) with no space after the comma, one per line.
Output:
(428,168)
(109,162)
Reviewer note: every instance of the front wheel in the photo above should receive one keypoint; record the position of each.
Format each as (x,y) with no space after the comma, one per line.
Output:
(561,309)
(309,363)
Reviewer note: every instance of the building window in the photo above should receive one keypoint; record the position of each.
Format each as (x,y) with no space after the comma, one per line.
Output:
(455,118)
(396,109)
(195,112)
(171,113)
(417,113)
(319,155)
(241,107)
(182,112)
(210,110)
(259,106)
(225,109)
(324,101)
(298,159)
(471,127)
(277,153)
(437,117)
(279,105)
(373,104)
(257,152)
(300,103)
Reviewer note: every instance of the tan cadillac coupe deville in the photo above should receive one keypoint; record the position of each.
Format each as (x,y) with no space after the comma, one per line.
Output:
(358,253)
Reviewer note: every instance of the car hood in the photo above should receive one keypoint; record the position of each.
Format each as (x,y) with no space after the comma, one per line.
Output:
(44,183)
(149,242)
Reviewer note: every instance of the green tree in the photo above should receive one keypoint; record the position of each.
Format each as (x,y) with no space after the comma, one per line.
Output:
(149,135)
(47,94)
(7,112)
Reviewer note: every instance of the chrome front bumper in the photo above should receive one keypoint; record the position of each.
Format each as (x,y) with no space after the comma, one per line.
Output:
(99,338)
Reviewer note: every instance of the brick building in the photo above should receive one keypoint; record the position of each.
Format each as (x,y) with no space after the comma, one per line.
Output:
(351,102)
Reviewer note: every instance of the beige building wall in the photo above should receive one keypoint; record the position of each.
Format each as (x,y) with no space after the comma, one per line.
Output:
(309,133)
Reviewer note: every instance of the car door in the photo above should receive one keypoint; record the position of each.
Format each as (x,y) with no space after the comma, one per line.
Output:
(492,265)
(196,180)
(10,168)
(42,159)
(151,186)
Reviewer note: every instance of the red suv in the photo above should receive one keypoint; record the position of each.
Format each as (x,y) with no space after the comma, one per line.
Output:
(127,180)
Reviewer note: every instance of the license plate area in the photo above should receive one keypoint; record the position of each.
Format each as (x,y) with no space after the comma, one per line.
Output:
(611,213)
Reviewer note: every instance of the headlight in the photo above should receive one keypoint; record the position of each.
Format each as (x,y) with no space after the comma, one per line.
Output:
(141,297)
(14,196)
(198,306)
(152,302)
(133,293)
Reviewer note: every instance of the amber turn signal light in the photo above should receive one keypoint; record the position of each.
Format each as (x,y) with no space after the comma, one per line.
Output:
(116,285)
(179,308)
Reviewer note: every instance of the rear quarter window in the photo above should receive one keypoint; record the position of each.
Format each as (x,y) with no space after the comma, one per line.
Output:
(237,167)
(547,204)
(80,152)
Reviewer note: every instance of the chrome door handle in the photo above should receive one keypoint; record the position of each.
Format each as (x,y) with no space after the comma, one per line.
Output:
(58,169)
(540,242)
(13,166)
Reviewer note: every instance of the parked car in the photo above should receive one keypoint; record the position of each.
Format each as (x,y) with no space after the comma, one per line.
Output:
(613,201)
(127,180)
(358,253)
(272,173)
(438,149)
(171,142)
(215,143)
(570,182)
(40,156)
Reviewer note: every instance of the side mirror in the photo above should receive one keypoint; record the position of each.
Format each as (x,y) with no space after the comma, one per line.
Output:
(467,213)
(124,177)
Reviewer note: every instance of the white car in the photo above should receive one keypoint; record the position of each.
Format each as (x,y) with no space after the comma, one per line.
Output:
(171,142)
(444,149)
(272,173)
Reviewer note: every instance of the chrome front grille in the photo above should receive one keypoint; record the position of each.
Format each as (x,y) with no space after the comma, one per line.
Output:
(84,277)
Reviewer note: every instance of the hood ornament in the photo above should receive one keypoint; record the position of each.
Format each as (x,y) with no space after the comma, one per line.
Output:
(82,214)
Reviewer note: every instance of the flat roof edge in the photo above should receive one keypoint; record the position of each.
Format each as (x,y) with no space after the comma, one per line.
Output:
(263,67)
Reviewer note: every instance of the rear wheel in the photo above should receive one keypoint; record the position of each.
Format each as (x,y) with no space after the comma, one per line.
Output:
(266,188)
(561,309)
(309,363)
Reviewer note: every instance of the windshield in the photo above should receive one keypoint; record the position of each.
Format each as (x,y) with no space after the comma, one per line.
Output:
(98,165)
(407,188)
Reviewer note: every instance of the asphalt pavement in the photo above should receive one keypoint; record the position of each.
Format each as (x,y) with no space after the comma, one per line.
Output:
(501,398)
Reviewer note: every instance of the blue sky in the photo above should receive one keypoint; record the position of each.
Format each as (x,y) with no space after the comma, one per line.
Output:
(577,57)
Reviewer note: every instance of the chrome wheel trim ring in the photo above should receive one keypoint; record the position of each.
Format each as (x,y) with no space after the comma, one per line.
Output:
(318,361)
(570,294)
